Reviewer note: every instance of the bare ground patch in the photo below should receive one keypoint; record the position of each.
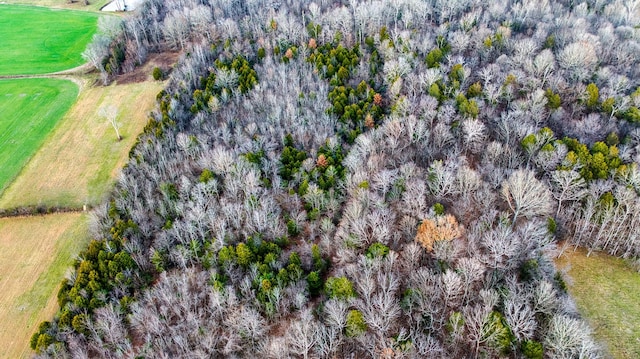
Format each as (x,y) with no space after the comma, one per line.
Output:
(164,61)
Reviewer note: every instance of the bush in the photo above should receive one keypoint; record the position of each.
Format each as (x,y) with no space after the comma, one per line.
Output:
(339,287)
(158,74)
(377,250)
(355,325)
(553,100)
(315,283)
(438,208)
(499,332)
(532,349)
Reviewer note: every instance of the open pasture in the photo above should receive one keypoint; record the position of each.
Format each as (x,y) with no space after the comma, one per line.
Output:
(37,40)
(605,289)
(29,110)
(35,253)
(82,156)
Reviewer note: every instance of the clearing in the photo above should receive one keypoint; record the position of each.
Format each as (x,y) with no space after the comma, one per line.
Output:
(605,289)
(82,156)
(37,40)
(29,110)
(35,253)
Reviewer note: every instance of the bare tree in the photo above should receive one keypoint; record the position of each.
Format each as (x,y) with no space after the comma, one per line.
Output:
(568,186)
(569,337)
(579,59)
(303,334)
(110,112)
(96,52)
(526,195)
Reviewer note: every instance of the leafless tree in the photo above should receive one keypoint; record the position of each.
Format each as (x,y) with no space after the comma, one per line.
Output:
(303,334)
(525,195)
(110,113)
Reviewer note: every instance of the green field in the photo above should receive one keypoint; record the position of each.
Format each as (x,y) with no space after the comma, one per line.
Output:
(82,157)
(94,5)
(605,289)
(37,40)
(29,109)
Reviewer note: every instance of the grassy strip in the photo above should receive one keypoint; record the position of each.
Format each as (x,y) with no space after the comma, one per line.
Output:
(29,110)
(35,252)
(605,289)
(94,5)
(37,40)
(82,156)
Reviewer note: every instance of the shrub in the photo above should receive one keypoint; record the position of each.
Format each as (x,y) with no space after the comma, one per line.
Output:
(553,100)
(593,94)
(339,287)
(315,283)
(355,325)
(532,349)
(498,332)
(438,208)
(377,250)
(206,176)
(158,74)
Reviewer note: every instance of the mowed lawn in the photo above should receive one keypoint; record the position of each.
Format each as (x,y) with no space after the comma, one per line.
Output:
(29,110)
(35,253)
(607,292)
(80,160)
(94,5)
(37,40)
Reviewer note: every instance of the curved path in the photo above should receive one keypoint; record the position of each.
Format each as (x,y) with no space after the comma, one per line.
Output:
(69,74)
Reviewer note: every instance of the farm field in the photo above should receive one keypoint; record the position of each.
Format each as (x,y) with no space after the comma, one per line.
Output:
(35,253)
(62,4)
(29,110)
(37,40)
(82,156)
(605,289)
(55,150)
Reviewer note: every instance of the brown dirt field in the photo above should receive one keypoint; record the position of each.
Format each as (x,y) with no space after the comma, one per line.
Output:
(164,61)
(35,252)
(80,160)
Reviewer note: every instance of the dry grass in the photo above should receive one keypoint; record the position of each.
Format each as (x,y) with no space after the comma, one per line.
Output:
(606,292)
(35,252)
(80,160)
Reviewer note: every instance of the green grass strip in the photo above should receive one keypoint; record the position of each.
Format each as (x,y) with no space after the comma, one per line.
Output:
(29,110)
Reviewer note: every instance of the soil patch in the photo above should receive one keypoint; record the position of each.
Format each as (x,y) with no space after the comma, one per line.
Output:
(165,61)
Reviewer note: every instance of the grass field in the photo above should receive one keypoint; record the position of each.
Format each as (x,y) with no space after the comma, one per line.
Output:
(35,253)
(607,292)
(29,110)
(82,156)
(38,40)
(94,5)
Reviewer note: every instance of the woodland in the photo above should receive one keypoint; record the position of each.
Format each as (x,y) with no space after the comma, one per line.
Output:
(360,179)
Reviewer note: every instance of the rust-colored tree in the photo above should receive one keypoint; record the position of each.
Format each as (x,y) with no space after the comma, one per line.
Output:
(440,228)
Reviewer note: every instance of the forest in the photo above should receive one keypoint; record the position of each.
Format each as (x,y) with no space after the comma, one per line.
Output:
(360,179)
